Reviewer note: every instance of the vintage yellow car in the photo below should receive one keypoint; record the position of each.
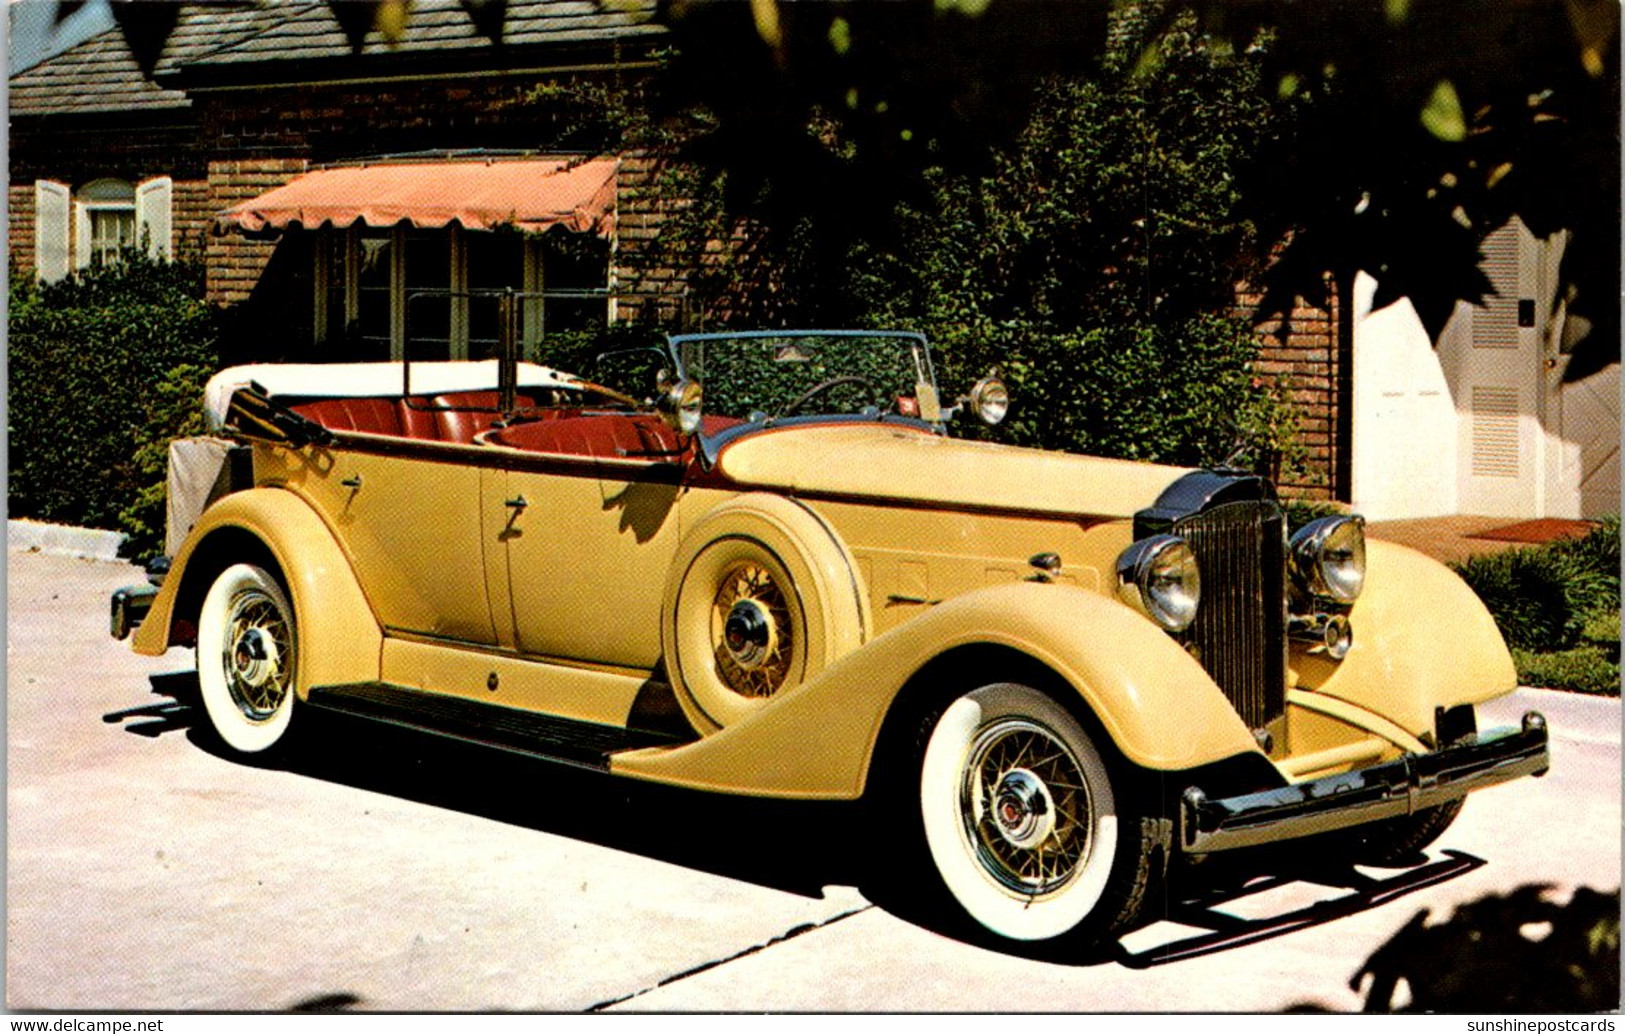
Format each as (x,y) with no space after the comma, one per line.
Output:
(1049,678)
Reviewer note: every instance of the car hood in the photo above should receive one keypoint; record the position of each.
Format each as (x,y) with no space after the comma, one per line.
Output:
(899,464)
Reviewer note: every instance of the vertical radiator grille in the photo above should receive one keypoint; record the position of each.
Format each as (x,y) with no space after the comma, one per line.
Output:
(1240,630)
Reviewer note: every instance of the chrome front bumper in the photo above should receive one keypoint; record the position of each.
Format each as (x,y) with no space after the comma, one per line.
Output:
(1388,790)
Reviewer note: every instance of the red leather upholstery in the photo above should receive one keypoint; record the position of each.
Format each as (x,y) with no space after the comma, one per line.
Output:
(462,424)
(604,436)
(560,432)
(426,419)
(607,436)
(376,416)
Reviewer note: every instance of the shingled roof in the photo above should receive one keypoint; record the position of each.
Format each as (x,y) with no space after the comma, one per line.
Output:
(439,26)
(100,76)
(267,42)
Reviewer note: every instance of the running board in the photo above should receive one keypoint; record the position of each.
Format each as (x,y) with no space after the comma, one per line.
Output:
(564,740)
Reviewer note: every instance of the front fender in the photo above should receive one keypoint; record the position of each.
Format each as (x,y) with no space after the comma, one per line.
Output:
(339,638)
(816,741)
(1422,639)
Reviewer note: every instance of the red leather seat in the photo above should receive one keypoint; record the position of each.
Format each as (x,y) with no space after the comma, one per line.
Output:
(371,415)
(461,424)
(443,418)
(605,436)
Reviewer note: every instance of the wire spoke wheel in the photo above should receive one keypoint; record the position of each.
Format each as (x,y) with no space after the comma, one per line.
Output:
(1021,820)
(752,634)
(248,656)
(259,656)
(1027,807)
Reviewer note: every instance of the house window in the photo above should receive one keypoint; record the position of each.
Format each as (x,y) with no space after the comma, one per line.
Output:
(93,224)
(106,220)
(382,294)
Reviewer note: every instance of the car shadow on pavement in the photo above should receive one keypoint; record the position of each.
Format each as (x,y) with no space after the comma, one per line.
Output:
(796,846)
(799,847)
(180,712)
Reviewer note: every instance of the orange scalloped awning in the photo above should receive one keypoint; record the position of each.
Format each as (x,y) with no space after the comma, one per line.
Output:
(531,194)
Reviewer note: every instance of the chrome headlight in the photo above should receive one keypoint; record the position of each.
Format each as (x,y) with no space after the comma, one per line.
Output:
(989,400)
(681,405)
(1162,574)
(1328,557)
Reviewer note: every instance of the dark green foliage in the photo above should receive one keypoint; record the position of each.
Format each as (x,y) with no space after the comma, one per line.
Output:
(1546,597)
(1095,265)
(175,412)
(1538,597)
(1428,125)
(1598,551)
(1135,391)
(1584,669)
(1300,512)
(93,393)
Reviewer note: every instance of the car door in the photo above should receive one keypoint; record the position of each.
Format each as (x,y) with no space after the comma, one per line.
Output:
(588,545)
(408,515)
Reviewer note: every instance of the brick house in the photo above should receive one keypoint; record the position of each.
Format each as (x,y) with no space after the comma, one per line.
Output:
(250,97)
(328,191)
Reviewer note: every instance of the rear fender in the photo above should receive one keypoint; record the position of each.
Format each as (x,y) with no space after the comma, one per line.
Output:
(1156,703)
(339,637)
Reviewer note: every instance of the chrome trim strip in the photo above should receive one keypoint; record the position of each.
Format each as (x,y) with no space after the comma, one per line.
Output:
(1388,790)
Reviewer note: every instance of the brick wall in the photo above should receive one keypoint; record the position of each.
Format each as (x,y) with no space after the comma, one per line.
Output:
(653,290)
(75,150)
(192,217)
(235,262)
(1306,354)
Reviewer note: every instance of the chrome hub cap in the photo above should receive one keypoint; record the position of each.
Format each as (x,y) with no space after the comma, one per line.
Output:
(751,632)
(258,657)
(748,633)
(1022,811)
(1026,807)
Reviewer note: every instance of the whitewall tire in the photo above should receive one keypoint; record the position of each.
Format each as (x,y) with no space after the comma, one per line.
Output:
(247,657)
(1020,818)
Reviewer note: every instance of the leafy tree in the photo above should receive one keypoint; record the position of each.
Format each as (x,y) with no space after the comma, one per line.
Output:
(1432,123)
(1426,125)
(1095,262)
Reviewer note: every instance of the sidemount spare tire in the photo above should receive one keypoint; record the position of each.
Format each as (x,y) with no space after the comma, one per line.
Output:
(763,596)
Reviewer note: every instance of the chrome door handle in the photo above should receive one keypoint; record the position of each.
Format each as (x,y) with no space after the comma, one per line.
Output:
(352,482)
(518,503)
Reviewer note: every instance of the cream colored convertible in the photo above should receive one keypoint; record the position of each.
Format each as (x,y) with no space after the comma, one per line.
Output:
(1051,677)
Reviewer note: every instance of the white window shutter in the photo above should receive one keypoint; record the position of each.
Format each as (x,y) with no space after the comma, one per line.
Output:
(152,219)
(81,235)
(51,205)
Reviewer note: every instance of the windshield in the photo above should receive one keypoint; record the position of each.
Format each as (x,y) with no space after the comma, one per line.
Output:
(765,375)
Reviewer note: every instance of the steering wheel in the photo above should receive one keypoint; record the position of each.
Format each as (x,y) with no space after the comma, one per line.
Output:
(823,386)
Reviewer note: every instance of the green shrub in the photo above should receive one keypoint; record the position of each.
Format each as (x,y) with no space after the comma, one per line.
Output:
(1301,511)
(1602,629)
(87,358)
(1585,669)
(176,411)
(1544,598)
(1597,551)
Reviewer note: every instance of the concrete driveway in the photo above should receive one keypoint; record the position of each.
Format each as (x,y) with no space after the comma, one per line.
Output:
(395,872)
